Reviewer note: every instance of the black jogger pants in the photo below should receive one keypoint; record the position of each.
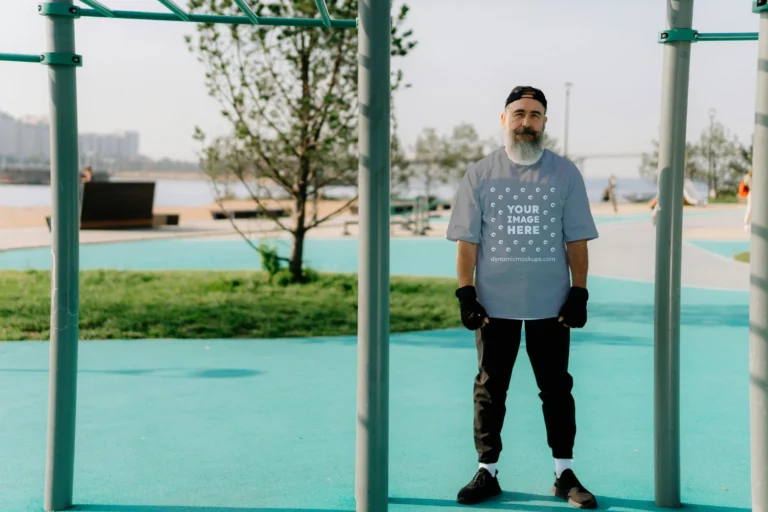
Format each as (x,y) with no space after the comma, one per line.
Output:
(548,345)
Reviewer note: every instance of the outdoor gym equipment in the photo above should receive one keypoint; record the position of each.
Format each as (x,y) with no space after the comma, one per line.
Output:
(415,220)
(373,317)
(374,41)
(677,39)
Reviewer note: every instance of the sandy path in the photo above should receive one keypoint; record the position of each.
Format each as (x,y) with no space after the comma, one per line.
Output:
(14,217)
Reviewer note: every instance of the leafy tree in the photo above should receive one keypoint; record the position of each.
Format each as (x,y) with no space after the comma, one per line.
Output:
(649,164)
(720,160)
(716,158)
(442,158)
(290,95)
(430,165)
(400,165)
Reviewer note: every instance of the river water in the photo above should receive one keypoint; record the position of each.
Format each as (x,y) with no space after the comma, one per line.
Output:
(201,192)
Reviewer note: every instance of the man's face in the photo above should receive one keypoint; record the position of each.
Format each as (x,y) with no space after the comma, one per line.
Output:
(525,119)
(523,123)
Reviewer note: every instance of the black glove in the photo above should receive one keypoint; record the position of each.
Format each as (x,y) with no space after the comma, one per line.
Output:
(472,313)
(574,311)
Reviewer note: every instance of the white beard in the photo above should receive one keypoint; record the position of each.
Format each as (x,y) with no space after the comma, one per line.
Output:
(521,152)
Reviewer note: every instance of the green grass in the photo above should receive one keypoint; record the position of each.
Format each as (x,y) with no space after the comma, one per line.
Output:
(131,305)
(725,199)
(742,256)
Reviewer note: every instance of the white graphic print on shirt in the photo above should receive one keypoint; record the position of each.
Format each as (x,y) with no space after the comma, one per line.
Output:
(524,220)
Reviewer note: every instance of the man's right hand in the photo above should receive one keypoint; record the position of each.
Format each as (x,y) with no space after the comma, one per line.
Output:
(473,315)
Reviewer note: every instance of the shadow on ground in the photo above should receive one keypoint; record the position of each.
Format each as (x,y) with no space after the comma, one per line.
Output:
(728,315)
(603,327)
(192,508)
(523,502)
(168,373)
(507,501)
(463,339)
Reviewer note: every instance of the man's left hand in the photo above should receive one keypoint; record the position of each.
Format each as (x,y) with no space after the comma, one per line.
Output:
(574,311)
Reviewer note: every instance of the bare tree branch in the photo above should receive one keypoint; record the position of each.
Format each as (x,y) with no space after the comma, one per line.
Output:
(257,200)
(333,213)
(234,225)
(261,109)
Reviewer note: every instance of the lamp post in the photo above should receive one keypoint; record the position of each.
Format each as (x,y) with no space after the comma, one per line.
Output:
(568,86)
(712,192)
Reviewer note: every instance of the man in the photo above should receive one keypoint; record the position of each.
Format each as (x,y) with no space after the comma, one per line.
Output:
(521,219)
(86,175)
(746,185)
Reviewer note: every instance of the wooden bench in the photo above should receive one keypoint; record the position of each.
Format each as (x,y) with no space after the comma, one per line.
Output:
(258,213)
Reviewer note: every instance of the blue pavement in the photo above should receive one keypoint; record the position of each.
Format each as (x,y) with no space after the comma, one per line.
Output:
(410,256)
(269,425)
(727,248)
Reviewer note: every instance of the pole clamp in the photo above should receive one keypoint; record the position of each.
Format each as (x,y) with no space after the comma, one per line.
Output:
(679,34)
(54,9)
(759,6)
(61,59)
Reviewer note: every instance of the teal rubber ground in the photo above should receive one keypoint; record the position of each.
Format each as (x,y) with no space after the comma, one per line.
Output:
(269,425)
(727,248)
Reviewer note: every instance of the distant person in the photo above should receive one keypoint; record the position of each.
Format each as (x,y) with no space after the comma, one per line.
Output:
(521,217)
(746,188)
(654,209)
(609,194)
(86,175)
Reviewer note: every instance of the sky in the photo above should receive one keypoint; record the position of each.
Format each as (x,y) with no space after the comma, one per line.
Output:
(139,75)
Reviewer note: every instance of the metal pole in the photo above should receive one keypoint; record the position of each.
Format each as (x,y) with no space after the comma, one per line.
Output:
(372,465)
(568,86)
(758,309)
(65,188)
(712,112)
(674,110)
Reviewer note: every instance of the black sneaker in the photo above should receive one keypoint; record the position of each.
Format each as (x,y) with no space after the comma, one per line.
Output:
(482,487)
(568,488)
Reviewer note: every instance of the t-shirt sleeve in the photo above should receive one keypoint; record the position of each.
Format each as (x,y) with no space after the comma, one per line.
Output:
(466,216)
(578,223)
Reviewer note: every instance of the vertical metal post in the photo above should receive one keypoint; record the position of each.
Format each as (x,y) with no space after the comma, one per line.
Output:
(65,188)
(711,155)
(372,464)
(674,110)
(568,86)
(758,308)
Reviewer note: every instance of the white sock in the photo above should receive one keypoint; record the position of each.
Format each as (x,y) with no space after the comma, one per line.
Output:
(490,467)
(561,465)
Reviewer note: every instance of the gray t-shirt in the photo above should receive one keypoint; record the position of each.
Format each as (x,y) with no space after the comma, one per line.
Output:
(522,215)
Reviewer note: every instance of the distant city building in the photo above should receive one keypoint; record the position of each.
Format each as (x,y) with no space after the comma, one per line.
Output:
(117,145)
(30,138)
(8,135)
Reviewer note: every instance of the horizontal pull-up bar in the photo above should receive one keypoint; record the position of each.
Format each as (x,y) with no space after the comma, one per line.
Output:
(215,18)
(728,36)
(17,57)
(178,14)
(48,59)
(693,36)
